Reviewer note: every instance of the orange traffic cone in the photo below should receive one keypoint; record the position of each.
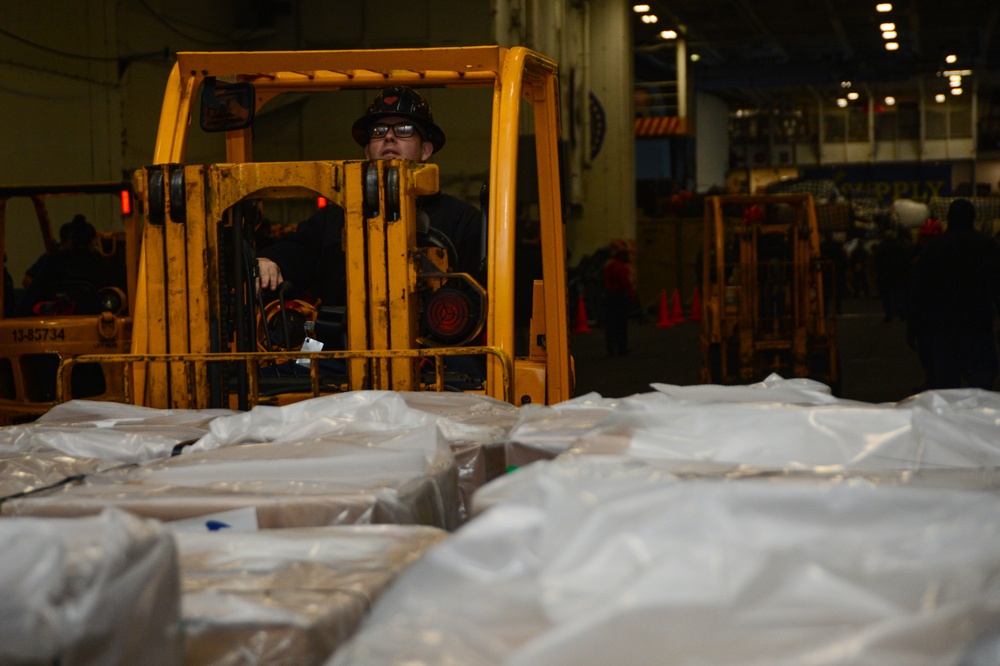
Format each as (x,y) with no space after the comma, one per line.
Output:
(677,316)
(695,305)
(581,316)
(664,319)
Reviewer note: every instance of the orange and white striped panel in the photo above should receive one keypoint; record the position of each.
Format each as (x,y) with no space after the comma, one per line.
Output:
(660,126)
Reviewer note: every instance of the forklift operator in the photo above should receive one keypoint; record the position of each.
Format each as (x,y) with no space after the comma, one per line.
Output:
(397,125)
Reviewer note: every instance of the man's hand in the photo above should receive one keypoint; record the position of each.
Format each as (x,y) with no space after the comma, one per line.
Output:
(269,274)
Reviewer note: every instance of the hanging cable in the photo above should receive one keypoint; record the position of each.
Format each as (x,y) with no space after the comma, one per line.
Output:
(82,56)
(173,28)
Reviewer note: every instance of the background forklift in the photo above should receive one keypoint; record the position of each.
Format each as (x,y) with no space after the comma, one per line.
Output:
(34,341)
(767,295)
(202,338)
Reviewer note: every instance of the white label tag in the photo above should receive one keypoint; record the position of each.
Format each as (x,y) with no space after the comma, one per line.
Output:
(309,345)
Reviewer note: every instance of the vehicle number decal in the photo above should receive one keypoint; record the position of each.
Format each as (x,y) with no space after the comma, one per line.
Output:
(38,334)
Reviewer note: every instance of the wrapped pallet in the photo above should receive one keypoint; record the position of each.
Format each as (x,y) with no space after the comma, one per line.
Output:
(757,525)
(476,428)
(288,596)
(101,590)
(303,465)
(109,431)
(80,437)
(607,559)
(776,425)
(403,476)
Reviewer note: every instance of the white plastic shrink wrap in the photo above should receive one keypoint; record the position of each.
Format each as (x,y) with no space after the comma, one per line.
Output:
(22,472)
(777,425)
(85,436)
(596,560)
(461,417)
(108,431)
(102,590)
(296,468)
(765,525)
(474,426)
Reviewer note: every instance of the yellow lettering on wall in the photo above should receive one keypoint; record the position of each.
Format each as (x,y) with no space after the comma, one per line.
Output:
(900,189)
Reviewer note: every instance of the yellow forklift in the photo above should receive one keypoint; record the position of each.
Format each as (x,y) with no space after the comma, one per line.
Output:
(35,337)
(766,293)
(202,338)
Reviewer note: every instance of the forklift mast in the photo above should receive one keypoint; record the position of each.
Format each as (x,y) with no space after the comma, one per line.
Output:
(63,318)
(198,319)
(766,292)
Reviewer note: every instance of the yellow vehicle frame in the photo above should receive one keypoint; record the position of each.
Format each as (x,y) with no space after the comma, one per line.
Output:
(751,325)
(32,347)
(181,203)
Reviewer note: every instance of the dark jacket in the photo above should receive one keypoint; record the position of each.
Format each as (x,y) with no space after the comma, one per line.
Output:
(72,275)
(312,259)
(956,295)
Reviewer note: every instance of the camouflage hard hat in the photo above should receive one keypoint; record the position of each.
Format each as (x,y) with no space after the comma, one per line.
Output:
(403,102)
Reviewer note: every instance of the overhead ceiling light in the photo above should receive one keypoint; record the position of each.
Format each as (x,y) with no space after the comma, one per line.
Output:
(695,57)
(955,83)
(890,100)
(841,102)
(956,72)
(640,9)
(883,7)
(887,26)
(956,91)
(845,84)
(889,34)
(668,34)
(954,77)
(891,46)
(649,18)
(951,58)
(852,95)
(939,98)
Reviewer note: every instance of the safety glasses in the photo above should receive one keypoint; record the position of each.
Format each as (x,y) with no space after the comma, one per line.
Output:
(403,130)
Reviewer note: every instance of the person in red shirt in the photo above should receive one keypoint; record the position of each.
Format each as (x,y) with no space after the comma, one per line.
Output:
(619,294)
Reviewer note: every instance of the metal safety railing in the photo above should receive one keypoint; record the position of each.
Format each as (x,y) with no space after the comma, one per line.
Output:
(255,361)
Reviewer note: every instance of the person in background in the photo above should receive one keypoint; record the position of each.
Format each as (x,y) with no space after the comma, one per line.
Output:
(67,280)
(916,337)
(619,295)
(928,232)
(892,271)
(859,269)
(956,300)
(65,242)
(835,281)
